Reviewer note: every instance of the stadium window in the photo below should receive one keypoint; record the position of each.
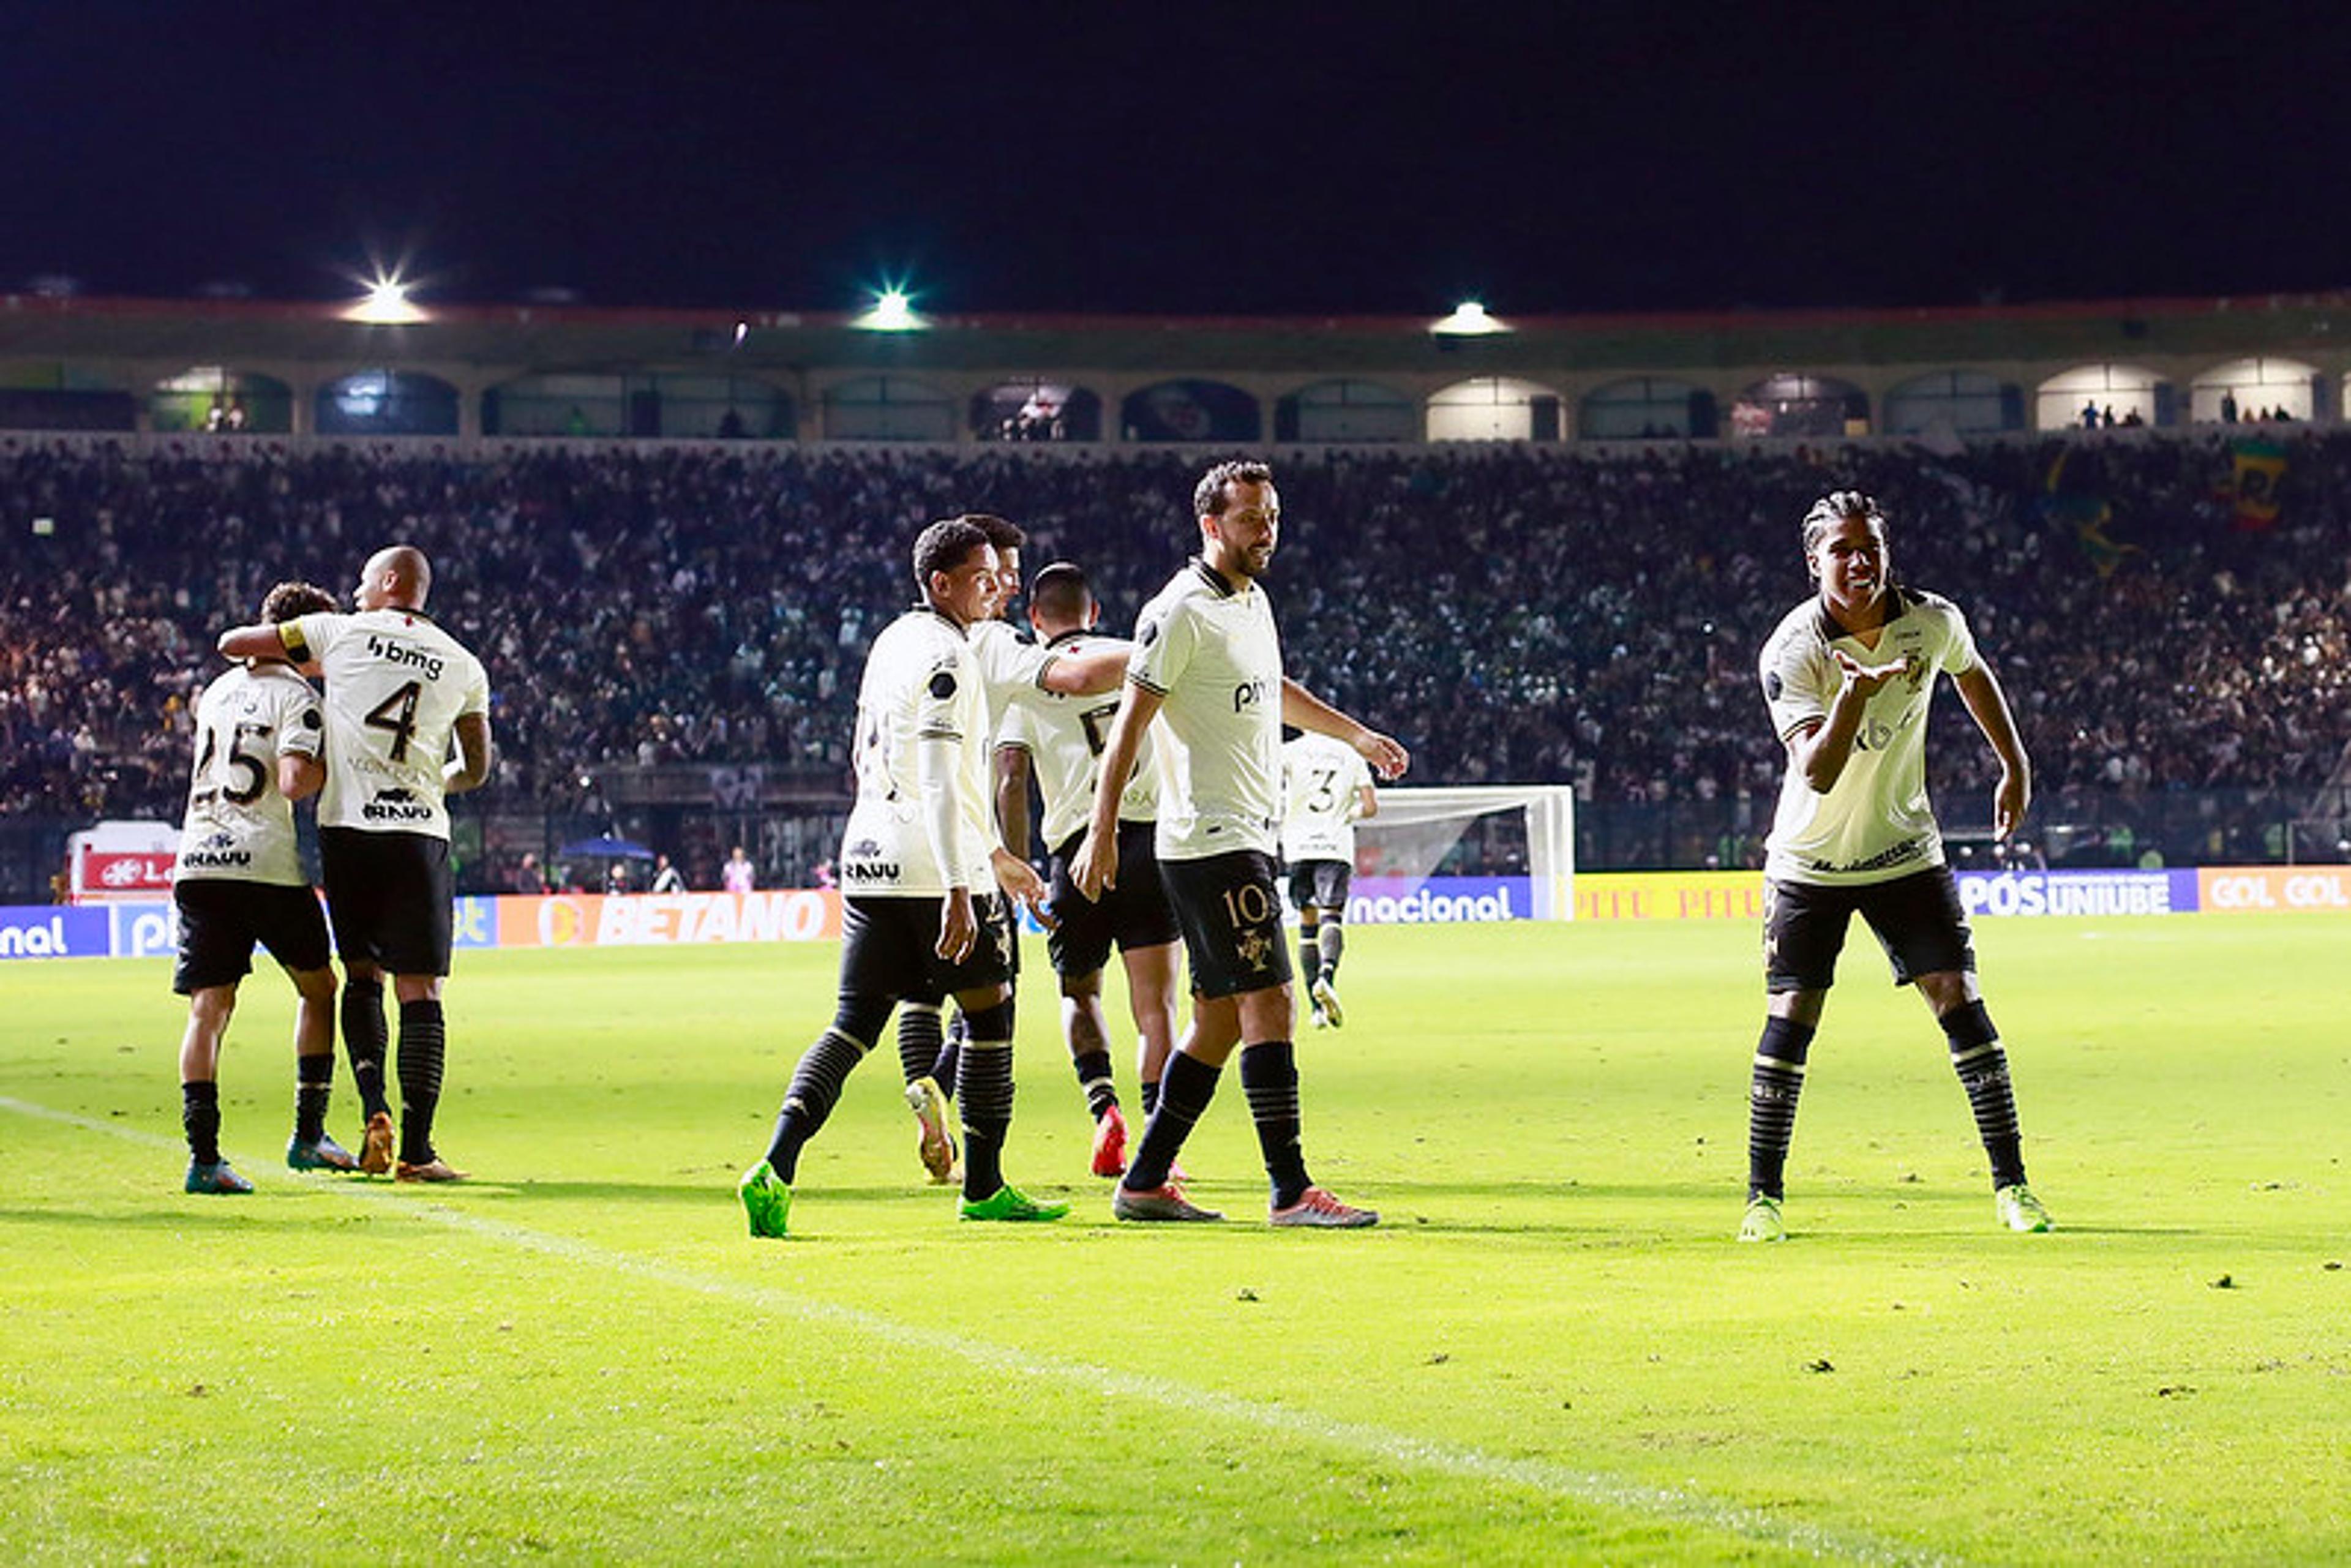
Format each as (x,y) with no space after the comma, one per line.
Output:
(1035,410)
(2083,396)
(1346,411)
(1191,410)
(388,403)
(1646,408)
(1807,407)
(2246,390)
(1963,403)
(222,400)
(1494,408)
(887,408)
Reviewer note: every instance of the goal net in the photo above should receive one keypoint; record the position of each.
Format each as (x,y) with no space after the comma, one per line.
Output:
(1477,832)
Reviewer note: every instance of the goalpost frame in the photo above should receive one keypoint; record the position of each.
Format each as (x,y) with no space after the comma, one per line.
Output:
(1550,813)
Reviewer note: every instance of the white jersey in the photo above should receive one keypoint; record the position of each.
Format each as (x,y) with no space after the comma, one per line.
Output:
(1208,649)
(1009,664)
(1322,783)
(1063,737)
(238,828)
(396,686)
(909,835)
(1875,823)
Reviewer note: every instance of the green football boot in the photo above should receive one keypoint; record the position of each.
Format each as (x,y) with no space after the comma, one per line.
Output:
(2020,1210)
(1009,1202)
(1762,1222)
(765,1199)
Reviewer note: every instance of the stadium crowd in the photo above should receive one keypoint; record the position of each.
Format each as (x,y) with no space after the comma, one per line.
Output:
(1511,613)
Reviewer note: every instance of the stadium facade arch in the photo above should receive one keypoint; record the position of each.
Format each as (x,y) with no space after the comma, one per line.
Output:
(388,401)
(2083,397)
(1963,403)
(1647,408)
(1346,409)
(2248,390)
(886,408)
(1494,408)
(1795,404)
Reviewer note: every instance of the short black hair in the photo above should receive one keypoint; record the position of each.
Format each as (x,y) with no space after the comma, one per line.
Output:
(945,545)
(1210,496)
(1060,591)
(1834,508)
(1001,533)
(293,601)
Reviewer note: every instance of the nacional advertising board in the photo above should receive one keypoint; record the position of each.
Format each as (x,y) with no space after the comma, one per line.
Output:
(663,920)
(1438,900)
(53,931)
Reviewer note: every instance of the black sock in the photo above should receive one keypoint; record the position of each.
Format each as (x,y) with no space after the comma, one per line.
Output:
(200,1119)
(424,1045)
(1309,955)
(1269,1079)
(1147,1091)
(987,1107)
(1094,1077)
(1778,1079)
(1334,946)
(1185,1091)
(366,1041)
(816,1087)
(314,1081)
(948,1068)
(1982,1067)
(920,1042)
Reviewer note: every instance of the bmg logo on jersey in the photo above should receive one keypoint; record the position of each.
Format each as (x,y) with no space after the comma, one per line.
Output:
(1250,694)
(408,655)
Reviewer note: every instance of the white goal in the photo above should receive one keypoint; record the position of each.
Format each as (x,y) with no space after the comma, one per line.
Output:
(1477,830)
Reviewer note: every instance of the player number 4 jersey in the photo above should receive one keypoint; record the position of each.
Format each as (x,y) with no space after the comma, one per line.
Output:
(1875,823)
(238,827)
(396,685)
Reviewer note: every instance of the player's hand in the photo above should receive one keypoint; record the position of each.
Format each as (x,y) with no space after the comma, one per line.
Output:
(1384,753)
(2010,798)
(1867,680)
(958,927)
(1096,866)
(1022,885)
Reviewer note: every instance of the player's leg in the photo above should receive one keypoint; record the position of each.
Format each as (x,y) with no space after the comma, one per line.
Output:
(1151,979)
(209,1008)
(858,1020)
(921,1053)
(983,985)
(314,1073)
(1149,1191)
(1804,931)
(414,943)
(422,1064)
(1324,988)
(355,890)
(1924,928)
(1086,1028)
(1269,1079)
(215,951)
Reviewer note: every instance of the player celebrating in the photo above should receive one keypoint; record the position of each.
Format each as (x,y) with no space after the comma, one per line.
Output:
(1326,790)
(401,695)
(240,881)
(1849,677)
(921,914)
(1008,666)
(1209,660)
(1059,742)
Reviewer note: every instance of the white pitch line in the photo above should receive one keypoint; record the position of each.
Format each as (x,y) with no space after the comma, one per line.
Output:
(1403,1449)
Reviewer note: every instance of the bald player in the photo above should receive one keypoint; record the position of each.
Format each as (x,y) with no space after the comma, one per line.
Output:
(408,724)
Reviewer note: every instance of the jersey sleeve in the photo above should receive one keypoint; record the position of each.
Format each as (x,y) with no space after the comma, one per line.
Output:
(476,698)
(309,636)
(1163,642)
(301,722)
(1016,731)
(937,705)
(1958,644)
(1800,681)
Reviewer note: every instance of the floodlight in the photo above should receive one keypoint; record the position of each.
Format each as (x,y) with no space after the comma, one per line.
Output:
(385,304)
(893,311)
(1468,320)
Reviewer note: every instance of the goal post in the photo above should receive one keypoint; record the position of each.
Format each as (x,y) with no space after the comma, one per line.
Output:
(1477,832)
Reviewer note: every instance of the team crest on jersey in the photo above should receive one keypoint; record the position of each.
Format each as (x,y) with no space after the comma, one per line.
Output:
(1772,686)
(1147,633)
(942,684)
(310,719)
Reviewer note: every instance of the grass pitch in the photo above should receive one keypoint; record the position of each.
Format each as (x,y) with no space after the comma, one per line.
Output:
(1550,1350)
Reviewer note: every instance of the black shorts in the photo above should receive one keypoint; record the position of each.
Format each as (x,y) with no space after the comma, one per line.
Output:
(1320,884)
(221,919)
(1917,919)
(390,898)
(889,947)
(1134,914)
(1230,914)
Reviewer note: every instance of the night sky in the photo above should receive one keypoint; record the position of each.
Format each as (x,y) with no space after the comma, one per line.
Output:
(1219,159)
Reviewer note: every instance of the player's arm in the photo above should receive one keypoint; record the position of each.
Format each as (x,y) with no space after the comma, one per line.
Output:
(299,775)
(1087,672)
(1303,710)
(1988,705)
(1822,747)
(1012,797)
(1097,863)
(471,769)
(267,640)
(1367,803)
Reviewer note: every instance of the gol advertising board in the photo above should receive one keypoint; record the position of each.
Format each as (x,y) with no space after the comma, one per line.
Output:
(2280,889)
(661,920)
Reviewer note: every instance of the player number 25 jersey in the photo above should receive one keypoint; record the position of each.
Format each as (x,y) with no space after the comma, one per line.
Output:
(238,827)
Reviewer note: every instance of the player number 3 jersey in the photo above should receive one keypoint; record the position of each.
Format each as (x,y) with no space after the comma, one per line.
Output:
(1875,823)
(396,685)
